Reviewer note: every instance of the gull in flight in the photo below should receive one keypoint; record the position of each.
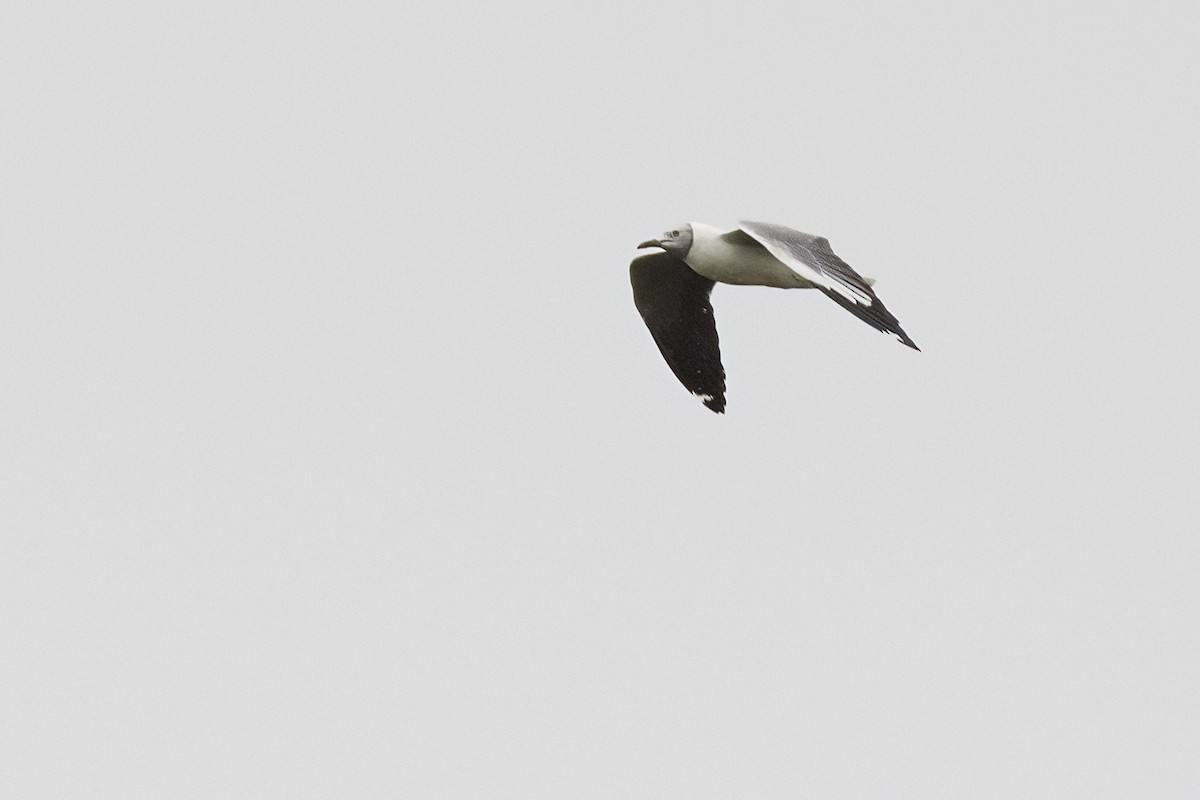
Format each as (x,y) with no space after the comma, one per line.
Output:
(671,290)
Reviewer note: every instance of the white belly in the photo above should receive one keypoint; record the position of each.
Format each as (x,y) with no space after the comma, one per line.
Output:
(748,265)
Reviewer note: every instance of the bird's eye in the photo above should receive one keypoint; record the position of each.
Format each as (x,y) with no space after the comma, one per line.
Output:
(674,233)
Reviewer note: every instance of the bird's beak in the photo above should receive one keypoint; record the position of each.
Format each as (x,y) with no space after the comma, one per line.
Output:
(650,243)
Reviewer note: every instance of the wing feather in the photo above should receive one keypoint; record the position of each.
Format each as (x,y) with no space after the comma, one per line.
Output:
(813,258)
(674,303)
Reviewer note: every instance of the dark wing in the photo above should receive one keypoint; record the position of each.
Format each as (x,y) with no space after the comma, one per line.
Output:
(813,259)
(673,301)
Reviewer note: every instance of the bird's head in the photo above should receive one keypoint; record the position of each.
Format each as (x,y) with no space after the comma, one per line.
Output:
(677,241)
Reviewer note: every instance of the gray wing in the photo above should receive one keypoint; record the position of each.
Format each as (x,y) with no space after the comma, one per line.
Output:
(674,303)
(813,259)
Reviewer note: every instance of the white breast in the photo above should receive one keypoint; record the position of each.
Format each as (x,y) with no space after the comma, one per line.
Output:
(720,260)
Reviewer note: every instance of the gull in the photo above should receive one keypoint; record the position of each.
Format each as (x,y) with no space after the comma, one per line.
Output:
(671,290)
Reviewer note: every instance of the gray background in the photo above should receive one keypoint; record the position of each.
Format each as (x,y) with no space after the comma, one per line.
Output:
(336,461)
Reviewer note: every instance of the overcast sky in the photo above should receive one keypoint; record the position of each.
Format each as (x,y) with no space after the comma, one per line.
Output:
(335,460)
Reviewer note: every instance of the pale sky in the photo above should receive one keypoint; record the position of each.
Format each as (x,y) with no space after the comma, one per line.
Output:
(335,460)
